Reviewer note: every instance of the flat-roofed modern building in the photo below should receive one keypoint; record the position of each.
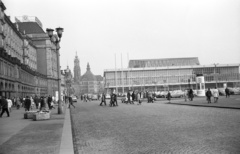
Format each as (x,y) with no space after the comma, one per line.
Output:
(171,73)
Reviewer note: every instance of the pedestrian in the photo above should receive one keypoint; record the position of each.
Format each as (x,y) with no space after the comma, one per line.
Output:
(128,97)
(10,104)
(185,95)
(27,103)
(4,106)
(18,103)
(215,95)
(209,95)
(227,92)
(190,95)
(70,102)
(169,97)
(52,105)
(139,98)
(42,103)
(49,100)
(36,101)
(103,100)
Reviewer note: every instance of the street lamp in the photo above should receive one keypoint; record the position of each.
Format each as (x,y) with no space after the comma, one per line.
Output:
(57,41)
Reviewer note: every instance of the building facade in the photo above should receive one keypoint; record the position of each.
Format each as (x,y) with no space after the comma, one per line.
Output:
(46,50)
(19,76)
(88,83)
(170,75)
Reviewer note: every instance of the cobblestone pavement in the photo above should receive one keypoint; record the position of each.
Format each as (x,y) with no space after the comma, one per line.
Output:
(154,128)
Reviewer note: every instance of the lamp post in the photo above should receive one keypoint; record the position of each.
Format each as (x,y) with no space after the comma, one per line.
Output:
(57,41)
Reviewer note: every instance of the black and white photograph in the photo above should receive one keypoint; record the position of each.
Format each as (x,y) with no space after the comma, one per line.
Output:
(119,76)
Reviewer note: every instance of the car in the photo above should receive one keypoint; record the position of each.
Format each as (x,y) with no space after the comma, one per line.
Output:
(177,94)
(221,91)
(108,96)
(74,98)
(94,97)
(234,91)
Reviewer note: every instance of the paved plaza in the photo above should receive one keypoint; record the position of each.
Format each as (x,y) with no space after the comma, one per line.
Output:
(156,128)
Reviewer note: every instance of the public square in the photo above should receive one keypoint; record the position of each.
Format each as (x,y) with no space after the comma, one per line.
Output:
(157,127)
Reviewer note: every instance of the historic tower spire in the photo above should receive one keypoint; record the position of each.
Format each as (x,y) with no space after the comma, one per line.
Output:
(77,69)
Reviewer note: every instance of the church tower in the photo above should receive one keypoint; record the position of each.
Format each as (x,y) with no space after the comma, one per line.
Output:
(77,70)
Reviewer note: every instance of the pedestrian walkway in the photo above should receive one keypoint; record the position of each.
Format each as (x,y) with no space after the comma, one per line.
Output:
(22,136)
(232,103)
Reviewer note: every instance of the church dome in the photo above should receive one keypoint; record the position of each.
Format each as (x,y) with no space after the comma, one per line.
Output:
(88,76)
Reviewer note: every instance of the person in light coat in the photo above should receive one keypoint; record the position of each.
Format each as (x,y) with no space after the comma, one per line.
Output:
(215,95)
(9,104)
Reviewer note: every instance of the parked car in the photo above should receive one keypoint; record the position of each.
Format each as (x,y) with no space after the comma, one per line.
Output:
(74,98)
(163,94)
(222,91)
(94,97)
(234,91)
(177,94)
(108,96)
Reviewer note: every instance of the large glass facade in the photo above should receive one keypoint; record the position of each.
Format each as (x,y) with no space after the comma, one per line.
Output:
(172,77)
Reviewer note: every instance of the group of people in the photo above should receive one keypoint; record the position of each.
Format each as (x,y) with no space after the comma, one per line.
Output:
(28,103)
(215,94)
(113,100)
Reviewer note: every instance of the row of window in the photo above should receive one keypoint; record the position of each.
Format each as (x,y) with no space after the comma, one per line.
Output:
(170,79)
(169,72)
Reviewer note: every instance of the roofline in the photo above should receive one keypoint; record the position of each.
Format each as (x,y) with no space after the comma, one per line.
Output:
(162,59)
(12,26)
(170,67)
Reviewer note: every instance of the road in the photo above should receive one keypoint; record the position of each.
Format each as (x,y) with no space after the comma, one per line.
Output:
(154,128)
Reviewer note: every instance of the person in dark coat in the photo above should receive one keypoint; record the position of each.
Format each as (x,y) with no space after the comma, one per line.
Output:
(209,95)
(36,101)
(190,95)
(169,96)
(27,103)
(49,100)
(4,105)
(70,102)
(103,100)
(227,92)
(128,96)
(42,103)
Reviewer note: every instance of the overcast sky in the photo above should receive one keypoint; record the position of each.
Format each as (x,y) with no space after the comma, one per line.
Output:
(97,29)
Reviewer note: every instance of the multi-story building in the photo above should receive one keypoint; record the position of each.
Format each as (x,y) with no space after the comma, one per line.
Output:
(171,73)
(18,61)
(46,50)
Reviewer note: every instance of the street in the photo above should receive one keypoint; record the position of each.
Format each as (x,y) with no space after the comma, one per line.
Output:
(154,128)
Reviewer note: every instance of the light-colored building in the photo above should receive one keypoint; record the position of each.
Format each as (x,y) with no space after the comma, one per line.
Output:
(171,73)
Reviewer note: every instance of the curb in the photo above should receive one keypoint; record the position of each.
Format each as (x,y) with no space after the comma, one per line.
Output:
(66,140)
(227,107)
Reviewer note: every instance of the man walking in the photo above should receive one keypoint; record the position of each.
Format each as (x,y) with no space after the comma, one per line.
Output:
(49,100)
(103,100)
(209,95)
(4,104)
(27,103)
(227,92)
(70,102)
